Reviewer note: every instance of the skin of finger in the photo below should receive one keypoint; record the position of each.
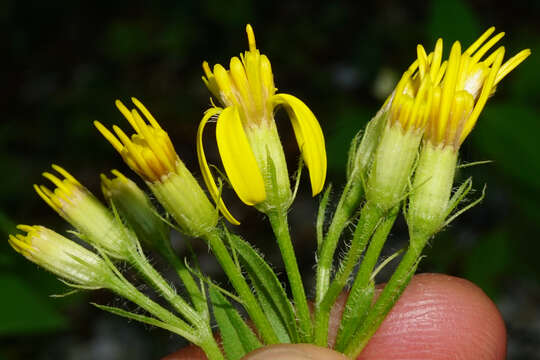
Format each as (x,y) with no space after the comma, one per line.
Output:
(438,317)
(294,352)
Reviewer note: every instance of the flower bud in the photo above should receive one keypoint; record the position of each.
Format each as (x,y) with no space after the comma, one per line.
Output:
(432,186)
(458,99)
(398,147)
(61,256)
(150,153)
(135,208)
(362,150)
(90,217)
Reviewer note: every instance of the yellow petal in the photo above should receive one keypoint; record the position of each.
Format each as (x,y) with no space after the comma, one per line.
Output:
(205,169)
(238,159)
(309,136)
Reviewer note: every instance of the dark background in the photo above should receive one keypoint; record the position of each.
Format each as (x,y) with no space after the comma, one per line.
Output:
(66,62)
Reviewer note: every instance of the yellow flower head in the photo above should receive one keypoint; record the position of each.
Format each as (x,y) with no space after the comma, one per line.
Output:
(149,152)
(248,84)
(411,100)
(119,185)
(468,82)
(246,133)
(82,210)
(60,255)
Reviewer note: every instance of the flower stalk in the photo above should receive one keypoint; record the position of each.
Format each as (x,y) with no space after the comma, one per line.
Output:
(280,226)
(239,283)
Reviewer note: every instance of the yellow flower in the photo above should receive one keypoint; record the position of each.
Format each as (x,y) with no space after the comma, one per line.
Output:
(466,87)
(458,100)
(411,100)
(61,256)
(405,112)
(247,137)
(89,216)
(150,153)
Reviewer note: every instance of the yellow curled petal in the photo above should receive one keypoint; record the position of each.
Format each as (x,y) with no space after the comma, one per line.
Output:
(309,136)
(205,169)
(238,159)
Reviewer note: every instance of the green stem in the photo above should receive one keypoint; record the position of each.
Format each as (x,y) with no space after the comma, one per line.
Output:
(356,304)
(239,283)
(191,286)
(203,337)
(348,203)
(154,278)
(125,289)
(209,345)
(388,297)
(280,226)
(370,217)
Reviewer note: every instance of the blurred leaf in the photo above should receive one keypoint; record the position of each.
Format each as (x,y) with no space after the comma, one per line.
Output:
(125,40)
(453,20)
(508,134)
(235,12)
(489,259)
(339,137)
(22,310)
(6,225)
(523,82)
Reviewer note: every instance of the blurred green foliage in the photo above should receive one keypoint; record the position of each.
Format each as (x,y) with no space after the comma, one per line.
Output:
(69,61)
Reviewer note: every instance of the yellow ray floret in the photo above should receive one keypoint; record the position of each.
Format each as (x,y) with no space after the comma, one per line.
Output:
(410,105)
(67,191)
(238,159)
(149,152)
(248,94)
(205,169)
(248,83)
(309,137)
(467,84)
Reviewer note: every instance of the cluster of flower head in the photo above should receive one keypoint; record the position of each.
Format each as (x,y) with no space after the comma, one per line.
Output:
(424,121)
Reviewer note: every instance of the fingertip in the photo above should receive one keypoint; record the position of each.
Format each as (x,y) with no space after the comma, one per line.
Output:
(294,352)
(440,317)
(188,353)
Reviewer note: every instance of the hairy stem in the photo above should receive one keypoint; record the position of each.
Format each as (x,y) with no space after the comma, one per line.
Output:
(278,220)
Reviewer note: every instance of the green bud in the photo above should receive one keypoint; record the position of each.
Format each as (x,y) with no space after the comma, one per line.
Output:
(432,186)
(361,151)
(61,256)
(88,215)
(268,152)
(136,209)
(183,198)
(392,166)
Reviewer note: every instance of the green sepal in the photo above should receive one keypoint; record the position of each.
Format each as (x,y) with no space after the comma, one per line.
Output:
(468,207)
(297,176)
(351,155)
(321,216)
(363,147)
(458,196)
(237,338)
(267,286)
